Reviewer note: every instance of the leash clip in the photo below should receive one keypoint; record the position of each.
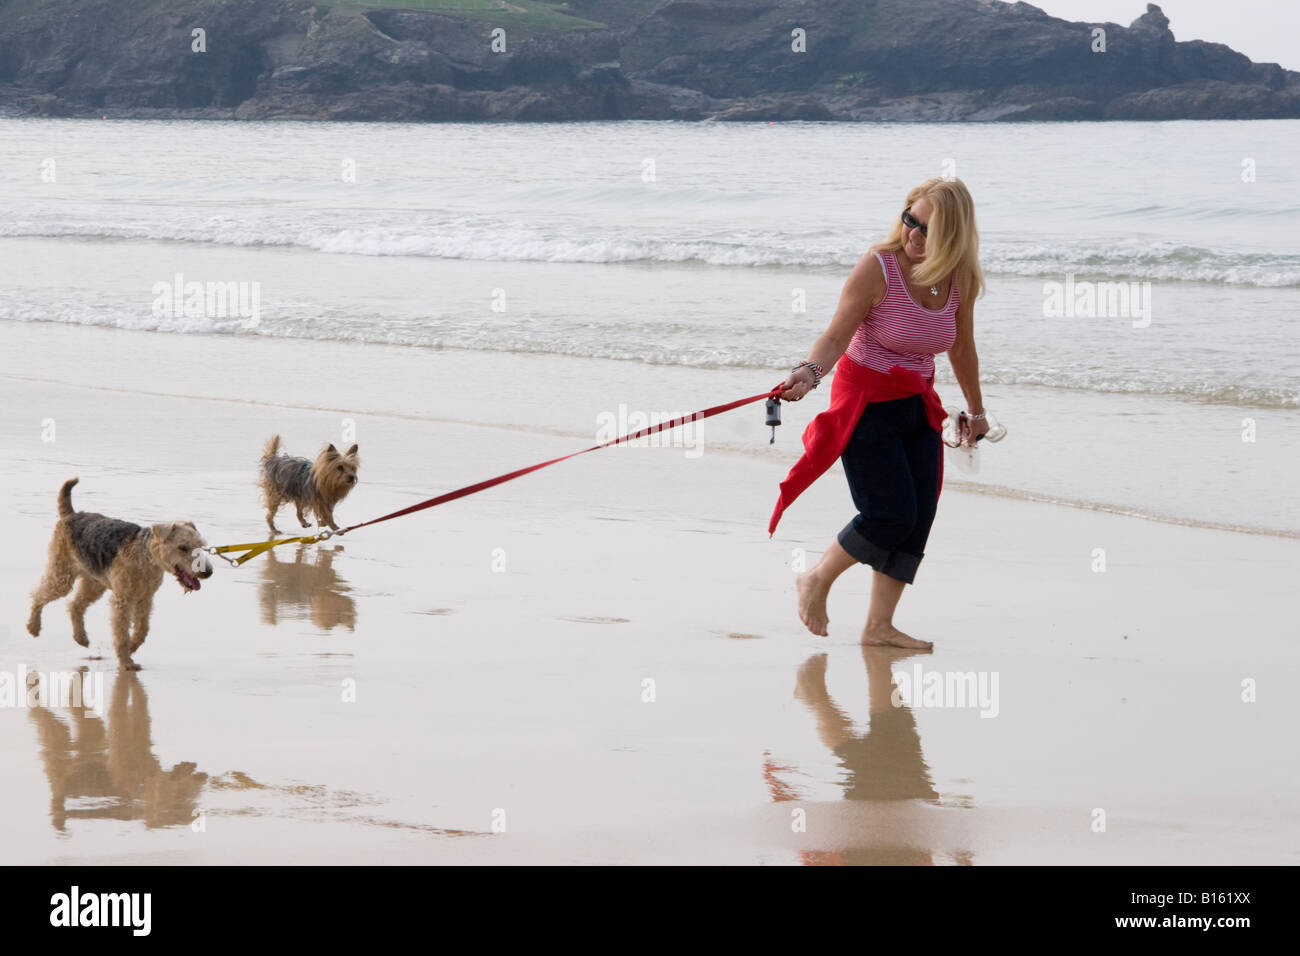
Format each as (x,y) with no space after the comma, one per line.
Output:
(211,549)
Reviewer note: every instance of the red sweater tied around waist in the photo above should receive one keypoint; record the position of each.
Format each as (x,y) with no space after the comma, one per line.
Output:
(852,389)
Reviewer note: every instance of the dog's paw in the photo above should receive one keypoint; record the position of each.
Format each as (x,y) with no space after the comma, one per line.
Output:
(34,627)
(128,665)
(81,639)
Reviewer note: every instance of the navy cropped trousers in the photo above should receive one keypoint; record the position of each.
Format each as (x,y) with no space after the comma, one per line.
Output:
(892,464)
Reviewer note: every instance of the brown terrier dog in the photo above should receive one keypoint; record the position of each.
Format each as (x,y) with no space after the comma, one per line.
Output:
(108,554)
(315,486)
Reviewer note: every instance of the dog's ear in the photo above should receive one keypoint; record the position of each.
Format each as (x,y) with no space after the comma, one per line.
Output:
(352,452)
(331,451)
(161,532)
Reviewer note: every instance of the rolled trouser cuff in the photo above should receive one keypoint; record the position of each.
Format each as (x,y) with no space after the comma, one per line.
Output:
(899,565)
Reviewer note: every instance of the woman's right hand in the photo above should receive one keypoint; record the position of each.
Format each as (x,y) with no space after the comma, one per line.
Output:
(798,384)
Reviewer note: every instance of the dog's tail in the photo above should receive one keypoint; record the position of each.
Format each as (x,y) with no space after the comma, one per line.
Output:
(65,498)
(272,449)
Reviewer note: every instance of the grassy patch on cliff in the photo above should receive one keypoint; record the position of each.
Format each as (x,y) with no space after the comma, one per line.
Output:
(537,14)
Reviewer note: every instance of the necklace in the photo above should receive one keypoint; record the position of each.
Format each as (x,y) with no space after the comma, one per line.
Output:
(934,289)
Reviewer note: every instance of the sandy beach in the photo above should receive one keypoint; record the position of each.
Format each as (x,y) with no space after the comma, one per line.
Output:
(601,662)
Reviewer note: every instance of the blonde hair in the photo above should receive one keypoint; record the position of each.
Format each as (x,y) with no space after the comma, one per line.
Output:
(952,243)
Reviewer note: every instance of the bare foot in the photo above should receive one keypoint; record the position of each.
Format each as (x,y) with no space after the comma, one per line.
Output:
(812,603)
(886,635)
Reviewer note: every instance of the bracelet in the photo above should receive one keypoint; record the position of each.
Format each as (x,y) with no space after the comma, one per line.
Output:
(816,370)
(976,418)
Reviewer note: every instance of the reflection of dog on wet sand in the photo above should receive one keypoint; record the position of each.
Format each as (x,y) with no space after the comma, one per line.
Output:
(106,770)
(116,767)
(315,486)
(308,584)
(108,554)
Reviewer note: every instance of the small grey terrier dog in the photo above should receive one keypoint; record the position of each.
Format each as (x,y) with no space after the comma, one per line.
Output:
(315,486)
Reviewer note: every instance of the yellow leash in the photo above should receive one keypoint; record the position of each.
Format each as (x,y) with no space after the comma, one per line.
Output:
(259,546)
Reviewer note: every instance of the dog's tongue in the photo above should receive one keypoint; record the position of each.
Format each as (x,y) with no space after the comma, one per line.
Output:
(188,581)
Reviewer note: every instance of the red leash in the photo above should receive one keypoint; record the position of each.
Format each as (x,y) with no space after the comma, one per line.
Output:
(501,479)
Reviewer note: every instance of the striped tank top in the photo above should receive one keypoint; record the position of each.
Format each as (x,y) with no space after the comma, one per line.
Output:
(899,331)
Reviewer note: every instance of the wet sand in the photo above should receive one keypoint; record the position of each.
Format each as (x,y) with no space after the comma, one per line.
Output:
(503,650)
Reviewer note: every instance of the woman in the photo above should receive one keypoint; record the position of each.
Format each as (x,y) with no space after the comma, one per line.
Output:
(909,298)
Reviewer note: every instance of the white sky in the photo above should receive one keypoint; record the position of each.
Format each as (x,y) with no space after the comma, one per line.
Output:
(1267,31)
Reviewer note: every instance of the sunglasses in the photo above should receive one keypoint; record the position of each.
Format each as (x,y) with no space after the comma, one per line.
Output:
(911,222)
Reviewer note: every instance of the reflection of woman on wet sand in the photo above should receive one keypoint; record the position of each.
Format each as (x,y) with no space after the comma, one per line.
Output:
(885,763)
(884,766)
